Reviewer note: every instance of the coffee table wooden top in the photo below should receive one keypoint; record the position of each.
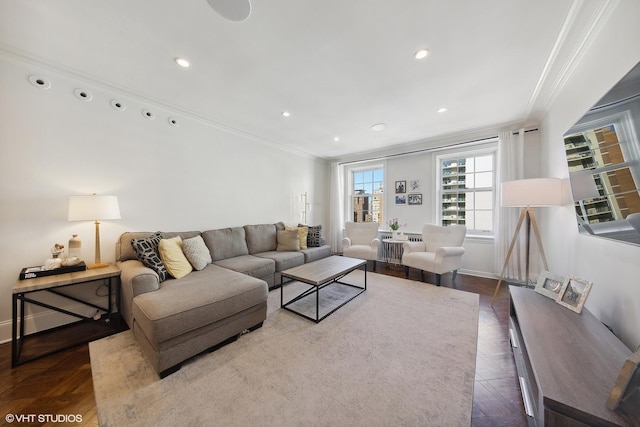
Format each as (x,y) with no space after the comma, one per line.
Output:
(319,272)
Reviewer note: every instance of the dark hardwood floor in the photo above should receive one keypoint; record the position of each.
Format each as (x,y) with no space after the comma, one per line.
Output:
(61,383)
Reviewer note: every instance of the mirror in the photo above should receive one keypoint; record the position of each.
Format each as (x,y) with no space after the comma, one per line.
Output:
(603,155)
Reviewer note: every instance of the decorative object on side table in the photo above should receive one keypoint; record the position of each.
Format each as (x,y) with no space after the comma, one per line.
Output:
(574,293)
(394,225)
(94,208)
(549,284)
(628,382)
(41,271)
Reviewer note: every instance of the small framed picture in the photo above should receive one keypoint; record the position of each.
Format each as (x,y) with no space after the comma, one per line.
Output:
(574,293)
(401,187)
(549,284)
(401,200)
(414,185)
(415,199)
(627,382)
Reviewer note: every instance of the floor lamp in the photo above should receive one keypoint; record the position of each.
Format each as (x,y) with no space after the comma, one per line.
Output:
(527,194)
(94,208)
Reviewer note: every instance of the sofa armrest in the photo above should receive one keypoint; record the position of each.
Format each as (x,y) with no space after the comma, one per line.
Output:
(137,279)
(409,247)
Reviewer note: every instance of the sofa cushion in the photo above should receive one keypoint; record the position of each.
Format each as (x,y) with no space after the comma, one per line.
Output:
(147,252)
(201,298)
(314,254)
(260,238)
(288,240)
(314,236)
(226,243)
(284,260)
(173,258)
(196,252)
(249,264)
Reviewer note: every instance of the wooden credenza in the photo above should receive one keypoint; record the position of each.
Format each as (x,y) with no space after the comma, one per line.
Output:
(567,363)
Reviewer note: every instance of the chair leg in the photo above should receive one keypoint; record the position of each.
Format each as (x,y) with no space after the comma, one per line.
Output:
(374,265)
(422,275)
(453,275)
(406,271)
(438,277)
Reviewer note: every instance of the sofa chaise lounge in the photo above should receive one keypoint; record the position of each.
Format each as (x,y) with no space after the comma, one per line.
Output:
(176,319)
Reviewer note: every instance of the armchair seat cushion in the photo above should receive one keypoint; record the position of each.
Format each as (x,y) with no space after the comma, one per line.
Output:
(361,252)
(421,260)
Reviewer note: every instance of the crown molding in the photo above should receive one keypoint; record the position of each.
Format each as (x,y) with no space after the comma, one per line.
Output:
(555,73)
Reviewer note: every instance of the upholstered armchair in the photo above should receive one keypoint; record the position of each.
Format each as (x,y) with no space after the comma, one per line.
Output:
(439,252)
(362,241)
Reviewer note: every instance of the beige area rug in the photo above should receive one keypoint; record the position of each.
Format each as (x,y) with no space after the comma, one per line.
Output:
(401,354)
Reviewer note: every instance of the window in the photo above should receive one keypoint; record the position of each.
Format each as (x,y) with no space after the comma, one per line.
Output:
(367,194)
(467,191)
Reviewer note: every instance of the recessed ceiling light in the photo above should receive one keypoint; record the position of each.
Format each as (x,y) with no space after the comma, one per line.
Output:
(378,127)
(286,114)
(336,139)
(183,62)
(442,110)
(421,54)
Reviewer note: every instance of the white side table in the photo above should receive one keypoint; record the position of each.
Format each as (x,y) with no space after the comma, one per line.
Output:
(393,251)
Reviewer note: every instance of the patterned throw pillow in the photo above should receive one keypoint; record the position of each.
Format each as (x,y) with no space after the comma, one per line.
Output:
(314,237)
(147,252)
(197,252)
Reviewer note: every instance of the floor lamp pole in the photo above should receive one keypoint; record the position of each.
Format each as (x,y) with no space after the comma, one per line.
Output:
(527,214)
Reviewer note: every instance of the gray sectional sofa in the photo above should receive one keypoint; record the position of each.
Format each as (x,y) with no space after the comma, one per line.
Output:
(176,319)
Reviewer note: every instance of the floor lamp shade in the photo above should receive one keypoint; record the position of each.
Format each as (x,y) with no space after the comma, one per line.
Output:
(532,192)
(94,208)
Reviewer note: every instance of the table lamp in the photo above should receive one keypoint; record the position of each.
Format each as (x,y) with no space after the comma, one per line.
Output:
(527,194)
(94,208)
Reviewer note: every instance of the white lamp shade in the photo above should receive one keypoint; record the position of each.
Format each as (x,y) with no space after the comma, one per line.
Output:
(583,186)
(532,192)
(85,208)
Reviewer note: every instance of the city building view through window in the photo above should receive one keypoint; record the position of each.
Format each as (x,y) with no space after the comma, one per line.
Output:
(368,189)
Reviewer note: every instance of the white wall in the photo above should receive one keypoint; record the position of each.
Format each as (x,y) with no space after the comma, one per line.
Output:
(613,267)
(196,176)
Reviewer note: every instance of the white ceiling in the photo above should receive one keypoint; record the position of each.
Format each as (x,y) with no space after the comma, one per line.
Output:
(337,66)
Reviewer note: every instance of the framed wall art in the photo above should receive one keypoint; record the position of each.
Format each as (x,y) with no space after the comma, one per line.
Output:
(415,199)
(414,185)
(574,293)
(549,285)
(401,199)
(401,187)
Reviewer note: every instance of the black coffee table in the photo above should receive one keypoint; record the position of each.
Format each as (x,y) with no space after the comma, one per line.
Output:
(320,274)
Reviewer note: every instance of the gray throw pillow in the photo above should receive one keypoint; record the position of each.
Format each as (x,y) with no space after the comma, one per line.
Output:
(147,252)
(196,252)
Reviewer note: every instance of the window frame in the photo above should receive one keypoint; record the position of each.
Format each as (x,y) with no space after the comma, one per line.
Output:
(350,183)
(465,154)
